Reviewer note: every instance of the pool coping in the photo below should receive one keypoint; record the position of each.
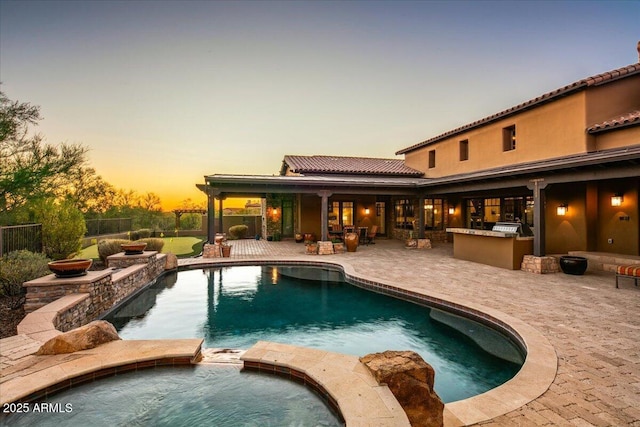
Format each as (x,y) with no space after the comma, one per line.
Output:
(37,377)
(532,380)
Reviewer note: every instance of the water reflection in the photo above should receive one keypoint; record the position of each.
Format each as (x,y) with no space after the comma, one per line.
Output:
(247,304)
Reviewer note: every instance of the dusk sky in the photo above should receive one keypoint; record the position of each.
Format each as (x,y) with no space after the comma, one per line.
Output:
(168,92)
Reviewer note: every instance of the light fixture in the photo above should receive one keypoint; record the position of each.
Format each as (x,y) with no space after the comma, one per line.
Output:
(562,210)
(274,211)
(428,206)
(366,211)
(616,200)
(452,210)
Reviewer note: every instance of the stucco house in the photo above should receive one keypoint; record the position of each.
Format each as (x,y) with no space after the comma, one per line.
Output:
(566,163)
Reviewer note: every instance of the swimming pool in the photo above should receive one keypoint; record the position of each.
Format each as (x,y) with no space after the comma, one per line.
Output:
(234,307)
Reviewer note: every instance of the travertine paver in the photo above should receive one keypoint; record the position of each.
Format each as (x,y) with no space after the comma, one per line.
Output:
(594,327)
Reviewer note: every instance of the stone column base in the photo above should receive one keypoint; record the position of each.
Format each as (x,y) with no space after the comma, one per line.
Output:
(540,264)
(211,251)
(325,248)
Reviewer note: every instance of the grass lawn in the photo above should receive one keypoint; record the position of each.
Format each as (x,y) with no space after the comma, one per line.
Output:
(181,246)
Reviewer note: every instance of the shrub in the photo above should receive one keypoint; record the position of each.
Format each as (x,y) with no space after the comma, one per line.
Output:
(134,235)
(16,268)
(108,247)
(62,228)
(144,233)
(153,244)
(238,231)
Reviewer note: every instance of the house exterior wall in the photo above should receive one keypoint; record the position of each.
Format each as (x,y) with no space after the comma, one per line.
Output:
(552,130)
(618,139)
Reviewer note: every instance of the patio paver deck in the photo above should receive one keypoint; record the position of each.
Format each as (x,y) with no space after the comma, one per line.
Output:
(594,327)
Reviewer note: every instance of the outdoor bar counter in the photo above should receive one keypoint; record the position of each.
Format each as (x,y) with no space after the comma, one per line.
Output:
(497,248)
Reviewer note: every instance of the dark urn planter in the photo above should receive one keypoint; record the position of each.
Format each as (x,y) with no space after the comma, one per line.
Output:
(70,267)
(133,248)
(575,265)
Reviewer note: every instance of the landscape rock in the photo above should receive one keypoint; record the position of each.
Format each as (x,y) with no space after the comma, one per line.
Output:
(411,380)
(82,338)
(171,262)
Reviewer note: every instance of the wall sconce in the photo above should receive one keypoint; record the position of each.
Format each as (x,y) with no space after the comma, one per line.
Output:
(616,200)
(274,212)
(562,210)
(366,211)
(452,210)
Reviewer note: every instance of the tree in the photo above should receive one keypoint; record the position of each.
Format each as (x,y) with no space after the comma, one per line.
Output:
(88,191)
(29,168)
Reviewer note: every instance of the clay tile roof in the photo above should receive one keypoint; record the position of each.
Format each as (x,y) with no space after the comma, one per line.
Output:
(349,166)
(596,80)
(628,119)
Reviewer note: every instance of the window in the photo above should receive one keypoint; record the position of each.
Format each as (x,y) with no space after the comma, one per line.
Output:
(509,138)
(433,214)
(432,159)
(484,213)
(404,213)
(340,214)
(464,150)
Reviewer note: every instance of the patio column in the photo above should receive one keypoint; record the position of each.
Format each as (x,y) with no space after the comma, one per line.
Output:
(211,214)
(220,226)
(324,214)
(538,186)
(420,223)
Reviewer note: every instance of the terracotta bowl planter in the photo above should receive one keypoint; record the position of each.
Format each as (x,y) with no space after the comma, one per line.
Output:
(70,267)
(133,248)
(351,241)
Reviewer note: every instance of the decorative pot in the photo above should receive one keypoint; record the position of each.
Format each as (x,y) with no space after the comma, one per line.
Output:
(309,238)
(575,265)
(133,248)
(351,241)
(226,251)
(299,238)
(70,267)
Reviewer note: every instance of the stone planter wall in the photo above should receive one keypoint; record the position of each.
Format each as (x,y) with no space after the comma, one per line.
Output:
(72,317)
(103,288)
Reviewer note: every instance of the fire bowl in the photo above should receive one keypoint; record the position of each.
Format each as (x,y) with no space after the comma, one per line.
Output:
(70,267)
(133,248)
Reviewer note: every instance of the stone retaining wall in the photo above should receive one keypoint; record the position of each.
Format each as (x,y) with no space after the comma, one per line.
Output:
(104,289)
(72,317)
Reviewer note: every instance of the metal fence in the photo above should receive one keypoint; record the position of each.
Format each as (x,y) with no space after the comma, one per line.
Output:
(97,227)
(19,237)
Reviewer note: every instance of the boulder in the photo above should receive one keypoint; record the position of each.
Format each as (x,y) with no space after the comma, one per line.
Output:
(82,338)
(410,379)
(171,262)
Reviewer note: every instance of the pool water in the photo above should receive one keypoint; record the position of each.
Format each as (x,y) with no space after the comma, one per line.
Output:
(234,307)
(203,395)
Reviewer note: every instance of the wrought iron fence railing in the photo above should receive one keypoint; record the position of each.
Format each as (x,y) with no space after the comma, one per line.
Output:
(19,237)
(97,227)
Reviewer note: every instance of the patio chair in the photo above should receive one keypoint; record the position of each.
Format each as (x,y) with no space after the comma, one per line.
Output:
(371,235)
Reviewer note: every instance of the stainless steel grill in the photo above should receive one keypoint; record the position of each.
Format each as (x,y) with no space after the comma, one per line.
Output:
(508,227)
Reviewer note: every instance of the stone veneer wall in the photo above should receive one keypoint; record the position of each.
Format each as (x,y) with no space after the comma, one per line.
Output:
(437,236)
(73,317)
(105,289)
